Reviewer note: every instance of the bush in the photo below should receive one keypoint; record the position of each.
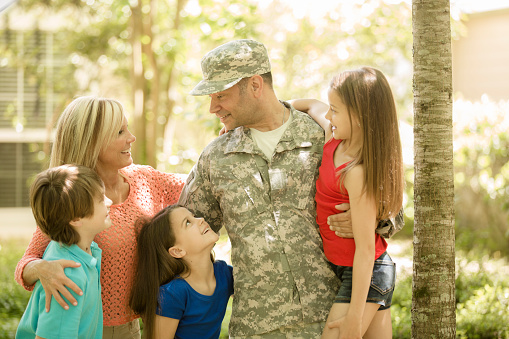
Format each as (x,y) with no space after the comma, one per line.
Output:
(481,161)
(13,298)
(401,307)
(482,298)
(481,178)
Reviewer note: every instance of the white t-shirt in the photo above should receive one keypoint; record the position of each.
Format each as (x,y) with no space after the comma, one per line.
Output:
(267,141)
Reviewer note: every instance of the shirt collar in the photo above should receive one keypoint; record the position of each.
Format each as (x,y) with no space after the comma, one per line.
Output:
(89,260)
(297,135)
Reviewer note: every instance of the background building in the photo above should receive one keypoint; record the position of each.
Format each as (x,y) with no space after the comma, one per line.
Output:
(481,58)
(28,103)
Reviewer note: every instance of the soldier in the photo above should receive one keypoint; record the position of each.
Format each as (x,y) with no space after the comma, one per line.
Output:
(258,181)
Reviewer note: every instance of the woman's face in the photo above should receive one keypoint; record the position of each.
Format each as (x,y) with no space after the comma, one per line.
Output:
(117,155)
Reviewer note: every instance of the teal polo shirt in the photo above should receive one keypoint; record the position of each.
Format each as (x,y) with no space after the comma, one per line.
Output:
(82,321)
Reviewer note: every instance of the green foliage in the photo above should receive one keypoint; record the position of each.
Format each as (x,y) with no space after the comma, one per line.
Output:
(481,162)
(13,298)
(226,321)
(485,314)
(482,297)
(401,307)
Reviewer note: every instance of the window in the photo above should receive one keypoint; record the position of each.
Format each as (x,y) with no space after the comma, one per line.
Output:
(30,64)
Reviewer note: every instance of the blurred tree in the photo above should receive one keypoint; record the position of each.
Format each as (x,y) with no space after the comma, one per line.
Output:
(481,162)
(146,53)
(433,292)
(315,41)
(144,43)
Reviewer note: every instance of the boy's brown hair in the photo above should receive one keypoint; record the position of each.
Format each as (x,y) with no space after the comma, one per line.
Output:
(62,194)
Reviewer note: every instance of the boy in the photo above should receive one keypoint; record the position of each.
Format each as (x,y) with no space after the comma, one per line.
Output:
(69,205)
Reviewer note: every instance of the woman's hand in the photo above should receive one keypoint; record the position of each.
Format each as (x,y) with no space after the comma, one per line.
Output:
(341,223)
(53,280)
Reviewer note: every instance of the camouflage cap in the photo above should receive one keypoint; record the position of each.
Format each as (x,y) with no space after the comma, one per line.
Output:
(227,64)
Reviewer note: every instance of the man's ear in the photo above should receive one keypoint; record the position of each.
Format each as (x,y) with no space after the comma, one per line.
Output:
(256,84)
(177,252)
(76,222)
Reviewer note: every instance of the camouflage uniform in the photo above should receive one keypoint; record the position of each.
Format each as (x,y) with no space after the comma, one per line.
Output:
(281,275)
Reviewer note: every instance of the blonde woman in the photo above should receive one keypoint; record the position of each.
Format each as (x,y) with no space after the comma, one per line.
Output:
(93,132)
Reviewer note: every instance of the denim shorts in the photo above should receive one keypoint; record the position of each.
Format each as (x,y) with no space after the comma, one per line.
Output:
(381,287)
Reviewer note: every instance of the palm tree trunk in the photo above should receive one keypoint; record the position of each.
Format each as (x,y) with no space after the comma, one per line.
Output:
(433,290)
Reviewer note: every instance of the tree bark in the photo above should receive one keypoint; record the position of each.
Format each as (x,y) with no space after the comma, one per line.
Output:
(138,88)
(433,290)
(152,130)
(169,92)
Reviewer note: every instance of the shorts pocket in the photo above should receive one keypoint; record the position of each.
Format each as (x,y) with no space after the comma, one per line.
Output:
(384,274)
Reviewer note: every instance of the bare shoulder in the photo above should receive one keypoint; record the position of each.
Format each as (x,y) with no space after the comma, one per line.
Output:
(354,180)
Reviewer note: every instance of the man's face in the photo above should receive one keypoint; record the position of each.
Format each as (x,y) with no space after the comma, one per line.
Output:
(234,107)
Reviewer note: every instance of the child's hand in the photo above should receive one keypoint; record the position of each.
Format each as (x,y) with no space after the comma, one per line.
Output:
(55,282)
(348,328)
(223,131)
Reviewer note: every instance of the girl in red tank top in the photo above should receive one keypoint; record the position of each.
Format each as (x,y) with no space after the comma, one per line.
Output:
(362,165)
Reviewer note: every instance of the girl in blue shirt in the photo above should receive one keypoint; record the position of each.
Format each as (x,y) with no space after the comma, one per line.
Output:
(179,290)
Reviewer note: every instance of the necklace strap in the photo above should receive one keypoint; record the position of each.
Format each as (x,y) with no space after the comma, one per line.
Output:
(284,112)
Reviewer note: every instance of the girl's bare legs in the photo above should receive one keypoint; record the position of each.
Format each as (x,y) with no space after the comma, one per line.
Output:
(375,324)
(337,311)
(381,326)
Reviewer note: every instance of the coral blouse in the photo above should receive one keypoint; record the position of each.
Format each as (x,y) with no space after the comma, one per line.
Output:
(149,191)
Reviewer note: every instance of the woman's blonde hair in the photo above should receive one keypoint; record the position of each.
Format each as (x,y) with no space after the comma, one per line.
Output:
(368,97)
(87,125)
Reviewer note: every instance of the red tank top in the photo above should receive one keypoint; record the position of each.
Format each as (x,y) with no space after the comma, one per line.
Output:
(339,251)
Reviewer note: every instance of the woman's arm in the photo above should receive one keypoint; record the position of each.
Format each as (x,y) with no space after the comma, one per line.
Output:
(34,251)
(165,328)
(32,267)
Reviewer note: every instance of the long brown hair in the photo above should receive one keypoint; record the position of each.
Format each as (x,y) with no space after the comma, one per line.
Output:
(155,266)
(368,96)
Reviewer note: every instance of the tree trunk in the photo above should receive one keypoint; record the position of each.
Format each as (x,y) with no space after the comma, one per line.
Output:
(170,83)
(139,154)
(152,121)
(433,290)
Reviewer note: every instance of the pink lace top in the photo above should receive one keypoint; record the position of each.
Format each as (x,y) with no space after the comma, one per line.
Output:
(150,191)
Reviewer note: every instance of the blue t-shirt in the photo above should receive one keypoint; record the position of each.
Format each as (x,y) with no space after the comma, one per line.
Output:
(84,321)
(200,315)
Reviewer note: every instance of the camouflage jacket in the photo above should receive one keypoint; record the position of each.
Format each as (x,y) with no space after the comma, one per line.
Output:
(281,275)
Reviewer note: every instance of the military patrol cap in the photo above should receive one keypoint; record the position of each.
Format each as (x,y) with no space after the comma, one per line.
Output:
(227,64)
